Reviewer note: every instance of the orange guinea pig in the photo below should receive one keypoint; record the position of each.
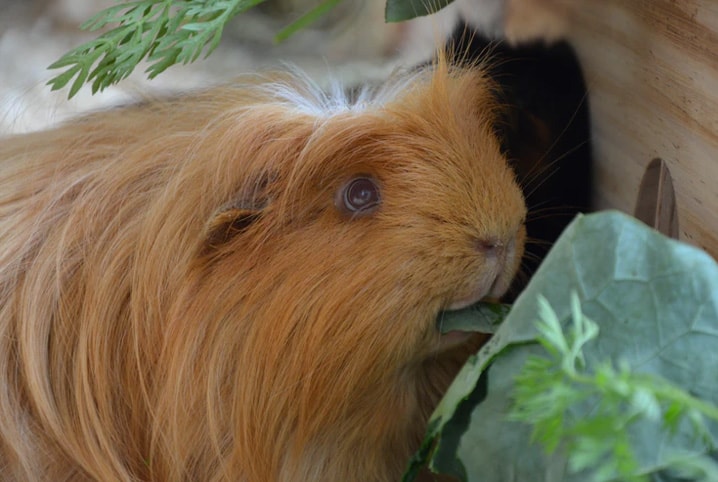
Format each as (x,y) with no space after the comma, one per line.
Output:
(243,284)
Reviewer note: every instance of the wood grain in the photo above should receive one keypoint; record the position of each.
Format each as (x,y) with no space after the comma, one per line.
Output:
(652,72)
(656,203)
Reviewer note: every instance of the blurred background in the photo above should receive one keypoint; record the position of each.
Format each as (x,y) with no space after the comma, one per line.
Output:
(352,43)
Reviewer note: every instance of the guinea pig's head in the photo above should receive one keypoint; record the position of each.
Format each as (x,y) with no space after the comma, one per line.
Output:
(336,230)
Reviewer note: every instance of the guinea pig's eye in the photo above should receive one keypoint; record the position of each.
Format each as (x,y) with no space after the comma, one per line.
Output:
(359,196)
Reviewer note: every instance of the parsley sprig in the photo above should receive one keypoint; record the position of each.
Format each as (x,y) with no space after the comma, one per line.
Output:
(165,32)
(549,390)
(168,32)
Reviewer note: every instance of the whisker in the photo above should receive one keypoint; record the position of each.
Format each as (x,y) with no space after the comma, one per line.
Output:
(565,129)
(528,256)
(550,215)
(539,242)
(551,165)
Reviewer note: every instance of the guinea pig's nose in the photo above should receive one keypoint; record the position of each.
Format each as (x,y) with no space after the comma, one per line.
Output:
(489,246)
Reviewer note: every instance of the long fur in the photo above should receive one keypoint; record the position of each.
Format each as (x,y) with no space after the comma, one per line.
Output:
(181,299)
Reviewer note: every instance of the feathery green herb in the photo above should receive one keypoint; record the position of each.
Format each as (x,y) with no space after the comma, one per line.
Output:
(169,32)
(165,32)
(549,388)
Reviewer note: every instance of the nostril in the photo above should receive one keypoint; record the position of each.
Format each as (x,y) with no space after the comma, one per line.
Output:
(488,246)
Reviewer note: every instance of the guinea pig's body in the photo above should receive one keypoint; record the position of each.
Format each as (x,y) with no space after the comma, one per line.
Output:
(243,284)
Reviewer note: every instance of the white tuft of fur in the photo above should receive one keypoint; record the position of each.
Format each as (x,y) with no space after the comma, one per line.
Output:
(303,95)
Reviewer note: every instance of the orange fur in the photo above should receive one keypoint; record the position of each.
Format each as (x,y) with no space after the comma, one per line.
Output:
(149,330)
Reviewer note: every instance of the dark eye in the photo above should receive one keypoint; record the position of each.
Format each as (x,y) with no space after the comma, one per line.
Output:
(359,196)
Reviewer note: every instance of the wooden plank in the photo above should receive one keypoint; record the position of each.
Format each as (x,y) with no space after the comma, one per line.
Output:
(652,71)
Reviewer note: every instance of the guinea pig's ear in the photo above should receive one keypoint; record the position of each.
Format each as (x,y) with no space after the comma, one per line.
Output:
(237,216)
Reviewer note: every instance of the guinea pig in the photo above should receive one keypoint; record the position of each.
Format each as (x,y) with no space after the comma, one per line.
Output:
(243,284)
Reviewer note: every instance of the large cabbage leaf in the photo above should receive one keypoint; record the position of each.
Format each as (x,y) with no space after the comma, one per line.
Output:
(655,302)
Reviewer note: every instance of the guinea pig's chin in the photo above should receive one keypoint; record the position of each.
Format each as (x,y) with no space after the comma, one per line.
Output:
(481,291)
(467,301)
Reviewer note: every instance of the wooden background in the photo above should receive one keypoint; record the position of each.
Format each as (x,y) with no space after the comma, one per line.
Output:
(652,71)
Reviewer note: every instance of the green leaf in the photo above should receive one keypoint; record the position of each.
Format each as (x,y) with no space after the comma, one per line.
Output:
(107,16)
(61,80)
(82,74)
(550,328)
(643,303)
(401,10)
(481,317)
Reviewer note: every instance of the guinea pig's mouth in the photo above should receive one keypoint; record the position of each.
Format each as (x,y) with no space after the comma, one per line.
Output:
(488,286)
(466,301)
(482,293)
